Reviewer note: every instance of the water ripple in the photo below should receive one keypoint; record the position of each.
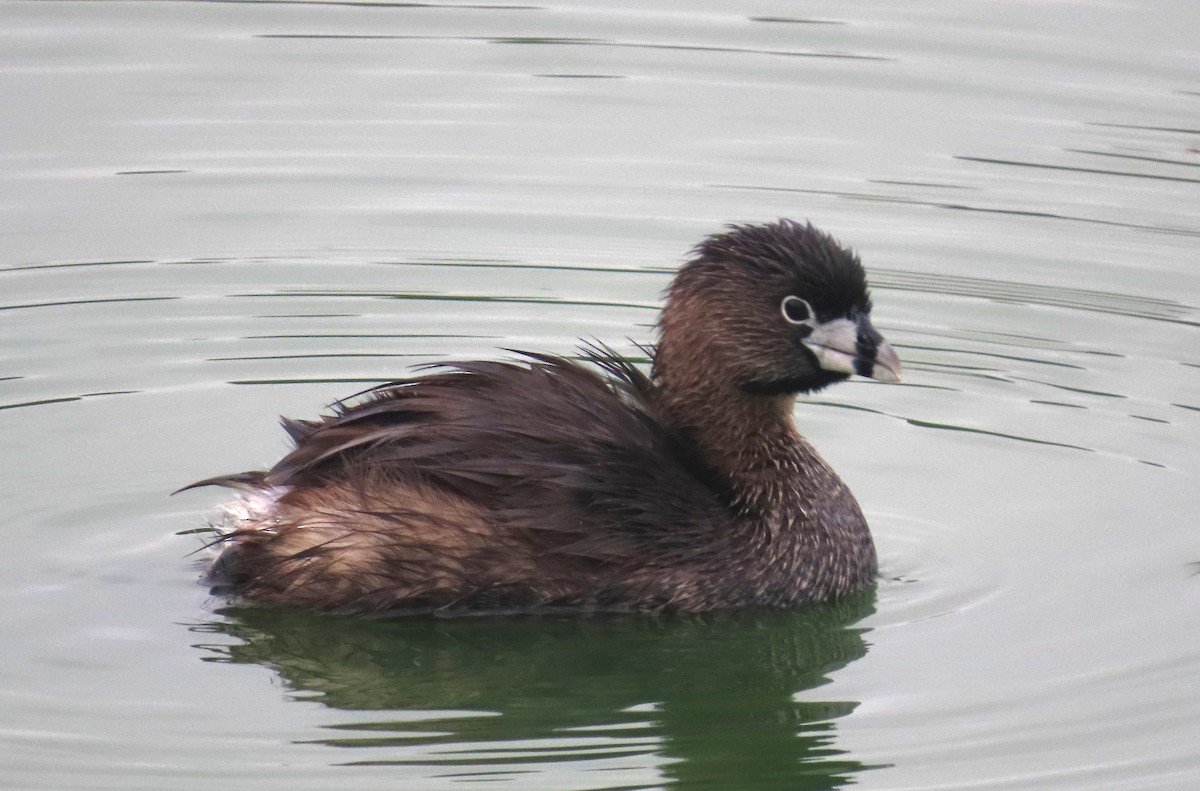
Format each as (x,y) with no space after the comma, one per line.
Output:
(1076,169)
(75,302)
(1090,300)
(586,42)
(953,206)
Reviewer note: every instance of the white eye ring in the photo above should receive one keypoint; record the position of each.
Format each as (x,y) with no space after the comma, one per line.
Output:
(796,310)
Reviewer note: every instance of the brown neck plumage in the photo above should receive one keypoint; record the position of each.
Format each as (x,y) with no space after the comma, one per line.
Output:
(749,440)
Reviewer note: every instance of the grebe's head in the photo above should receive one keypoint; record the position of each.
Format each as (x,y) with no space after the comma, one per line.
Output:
(774,309)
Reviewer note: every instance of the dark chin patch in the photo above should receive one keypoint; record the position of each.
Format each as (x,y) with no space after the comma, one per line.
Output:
(789,386)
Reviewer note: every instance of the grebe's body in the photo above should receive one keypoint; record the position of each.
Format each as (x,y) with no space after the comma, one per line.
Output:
(546,483)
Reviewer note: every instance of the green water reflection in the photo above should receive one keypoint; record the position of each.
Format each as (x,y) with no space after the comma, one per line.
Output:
(710,700)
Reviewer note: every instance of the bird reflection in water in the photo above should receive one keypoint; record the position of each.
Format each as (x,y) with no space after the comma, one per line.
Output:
(707,700)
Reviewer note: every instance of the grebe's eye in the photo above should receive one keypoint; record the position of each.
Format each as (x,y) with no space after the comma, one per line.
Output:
(796,310)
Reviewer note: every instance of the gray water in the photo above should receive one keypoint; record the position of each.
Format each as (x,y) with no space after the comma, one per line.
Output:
(212,213)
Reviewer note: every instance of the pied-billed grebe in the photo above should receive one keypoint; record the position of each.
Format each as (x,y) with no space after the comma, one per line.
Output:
(543,483)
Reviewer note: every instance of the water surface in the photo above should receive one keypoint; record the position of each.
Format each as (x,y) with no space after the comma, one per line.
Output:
(214,213)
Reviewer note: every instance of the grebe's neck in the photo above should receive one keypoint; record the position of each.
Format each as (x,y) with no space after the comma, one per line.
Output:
(800,524)
(749,440)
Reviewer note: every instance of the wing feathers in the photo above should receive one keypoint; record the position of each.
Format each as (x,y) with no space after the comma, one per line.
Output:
(575,454)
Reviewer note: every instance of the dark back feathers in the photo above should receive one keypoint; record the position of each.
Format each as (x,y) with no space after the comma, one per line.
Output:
(583,462)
